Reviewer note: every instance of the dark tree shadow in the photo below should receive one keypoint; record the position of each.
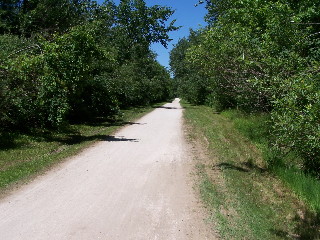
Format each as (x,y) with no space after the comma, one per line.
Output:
(248,167)
(307,227)
(77,139)
(170,108)
(120,139)
(223,166)
(282,234)
(8,141)
(116,123)
(133,123)
(66,135)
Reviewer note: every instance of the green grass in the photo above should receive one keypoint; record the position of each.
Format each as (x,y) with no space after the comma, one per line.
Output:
(286,167)
(307,187)
(26,155)
(245,199)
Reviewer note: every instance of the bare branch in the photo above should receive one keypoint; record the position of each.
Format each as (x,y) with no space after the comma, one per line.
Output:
(25,49)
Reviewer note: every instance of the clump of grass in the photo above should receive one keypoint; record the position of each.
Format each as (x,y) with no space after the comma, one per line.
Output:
(306,186)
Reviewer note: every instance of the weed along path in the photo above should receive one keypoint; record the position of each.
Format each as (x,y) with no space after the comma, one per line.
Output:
(133,185)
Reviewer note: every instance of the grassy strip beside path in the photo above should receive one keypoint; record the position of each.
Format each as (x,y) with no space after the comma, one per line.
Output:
(25,155)
(244,199)
(287,167)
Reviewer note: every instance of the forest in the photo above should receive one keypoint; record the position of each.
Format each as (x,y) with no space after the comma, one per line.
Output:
(261,58)
(64,61)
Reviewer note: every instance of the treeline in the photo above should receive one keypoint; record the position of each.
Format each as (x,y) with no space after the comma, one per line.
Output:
(71,60)
(259,56)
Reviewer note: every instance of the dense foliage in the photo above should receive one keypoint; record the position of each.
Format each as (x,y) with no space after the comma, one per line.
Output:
(259,56)
(67,60)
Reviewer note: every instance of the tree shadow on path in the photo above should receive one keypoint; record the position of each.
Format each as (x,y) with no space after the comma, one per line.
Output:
(169,108)
(67,136)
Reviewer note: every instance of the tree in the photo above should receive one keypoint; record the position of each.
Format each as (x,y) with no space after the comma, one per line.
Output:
(137,26)
(9,16)
(51,16)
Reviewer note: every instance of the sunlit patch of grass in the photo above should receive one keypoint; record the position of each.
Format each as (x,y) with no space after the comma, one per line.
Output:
(306,186)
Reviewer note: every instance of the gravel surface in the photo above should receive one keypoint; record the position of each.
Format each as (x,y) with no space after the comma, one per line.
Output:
(134,185)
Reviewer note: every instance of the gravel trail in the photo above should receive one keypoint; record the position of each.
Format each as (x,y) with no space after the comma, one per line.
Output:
(134,185)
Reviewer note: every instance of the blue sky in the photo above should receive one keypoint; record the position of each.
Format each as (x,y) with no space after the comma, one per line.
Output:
(187,16)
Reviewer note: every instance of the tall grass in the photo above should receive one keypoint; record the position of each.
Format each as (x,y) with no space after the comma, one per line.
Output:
(256,128)
(304,185)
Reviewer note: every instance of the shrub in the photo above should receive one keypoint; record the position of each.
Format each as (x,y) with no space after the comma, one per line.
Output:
(296,118)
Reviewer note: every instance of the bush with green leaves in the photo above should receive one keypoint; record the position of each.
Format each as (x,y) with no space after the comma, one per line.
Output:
(45,88)
(296,119)
(19,86)
(74,59)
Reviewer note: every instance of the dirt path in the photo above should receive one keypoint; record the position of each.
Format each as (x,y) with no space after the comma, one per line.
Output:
(134,185)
